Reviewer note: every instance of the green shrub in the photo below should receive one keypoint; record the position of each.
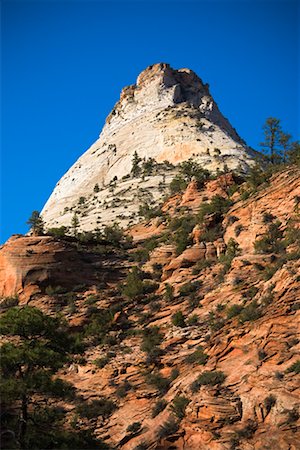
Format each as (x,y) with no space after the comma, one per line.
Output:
(9,302)
(102,362)
(152,337)
(198,356)
(134,427)
(178,184)
(54,290)
(57,231)
(159,406)
(217,206)
(179,405)
(210,378)
(123,389)
(101,407)
(169,292)
(133,286)
(271,242)
(168,428)
(234,310)
(294,367)
(159,382)
(178,319)
(189,288)
(250,312)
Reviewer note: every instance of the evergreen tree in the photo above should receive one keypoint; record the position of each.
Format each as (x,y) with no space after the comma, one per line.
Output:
(136,169)
(293,154)
(34,349)
(272,143)
(75,224)
(284,141)
(36,223)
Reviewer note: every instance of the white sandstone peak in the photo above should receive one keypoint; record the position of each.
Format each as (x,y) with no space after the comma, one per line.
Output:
(168,115)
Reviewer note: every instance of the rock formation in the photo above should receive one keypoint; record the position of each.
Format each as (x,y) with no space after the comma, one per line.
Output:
(241,323)
(168,115)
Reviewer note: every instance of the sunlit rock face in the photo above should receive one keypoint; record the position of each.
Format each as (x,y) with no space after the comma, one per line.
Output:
(168,115)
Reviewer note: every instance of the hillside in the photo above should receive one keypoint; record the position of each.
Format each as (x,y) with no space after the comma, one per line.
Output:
(189,322)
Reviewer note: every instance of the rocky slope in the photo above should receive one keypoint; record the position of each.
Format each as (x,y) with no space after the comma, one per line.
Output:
(168,115)
(225,367)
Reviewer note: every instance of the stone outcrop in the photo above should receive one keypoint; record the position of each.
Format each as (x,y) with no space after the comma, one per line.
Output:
(168,115)
(30,263)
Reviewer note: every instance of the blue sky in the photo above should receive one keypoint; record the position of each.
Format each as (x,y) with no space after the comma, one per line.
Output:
(65,62)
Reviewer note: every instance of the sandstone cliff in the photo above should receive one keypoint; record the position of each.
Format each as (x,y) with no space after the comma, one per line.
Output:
(168,115)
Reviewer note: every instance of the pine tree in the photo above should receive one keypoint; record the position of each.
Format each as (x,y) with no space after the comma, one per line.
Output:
(34,350)
(273,133)
(36,223)
(75,224)
(136,169)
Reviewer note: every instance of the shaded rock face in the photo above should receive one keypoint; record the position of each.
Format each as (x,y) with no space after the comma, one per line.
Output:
(28,264)
(168,115)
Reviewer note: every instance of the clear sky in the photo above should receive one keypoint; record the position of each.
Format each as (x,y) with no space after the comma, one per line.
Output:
(65,62)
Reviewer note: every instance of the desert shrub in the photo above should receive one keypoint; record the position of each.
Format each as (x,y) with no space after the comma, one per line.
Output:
(159,382)
(232,250)
(248,431)
(133,286)
(152,337)
(123,389)
(54,290)
(114,234)
(292,415)
(267,217)
(212,234)
(250,312)
(168,428)
(271,241)
(142,446)
(178,319)
(232,219)
(189,287)
(149,287)
(294,367)
(269,402)
(261,354)
(217,206)
(179,405)
(59,232)
(238,229)
(257,176)
(134,427)
(201,265)
(192,170)
(9,302)
(100,407)
(210,378)
(178,184)
(192,320)
(234,310)
(102,362)
(149,212)
(198,356)
(181,228)
(169,292)
(215,321)
(159,406)
(141,255)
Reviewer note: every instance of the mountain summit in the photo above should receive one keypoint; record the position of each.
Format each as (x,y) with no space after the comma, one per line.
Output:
(167,116)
